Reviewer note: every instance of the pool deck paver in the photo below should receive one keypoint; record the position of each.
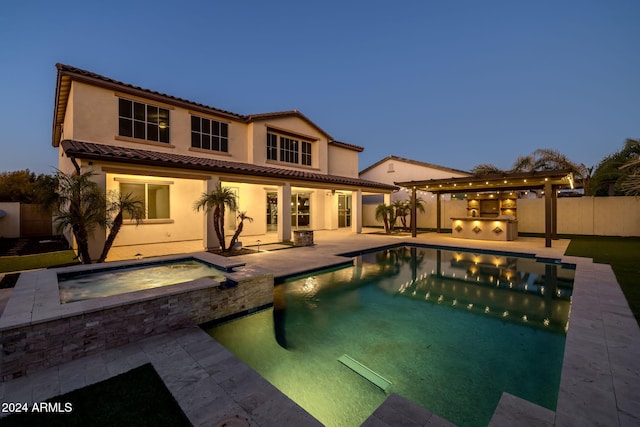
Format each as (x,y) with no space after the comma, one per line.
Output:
(599,386)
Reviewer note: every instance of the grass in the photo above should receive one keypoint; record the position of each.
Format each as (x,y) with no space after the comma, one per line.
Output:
(138,397)
(29,262)
(622,253)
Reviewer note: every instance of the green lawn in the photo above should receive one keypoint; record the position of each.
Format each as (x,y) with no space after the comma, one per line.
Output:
(135,398)
(622,253)
(28,262)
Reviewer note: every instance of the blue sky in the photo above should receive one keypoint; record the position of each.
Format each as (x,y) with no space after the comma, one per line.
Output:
(455,83)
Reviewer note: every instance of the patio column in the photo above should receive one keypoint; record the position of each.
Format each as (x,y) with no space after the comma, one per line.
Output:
(99,235)
(356,211)
(438,211)
(210,239)
(554,213)
(284,212)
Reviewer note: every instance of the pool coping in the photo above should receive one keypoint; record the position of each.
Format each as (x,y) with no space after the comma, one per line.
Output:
(36,297)
(600,372)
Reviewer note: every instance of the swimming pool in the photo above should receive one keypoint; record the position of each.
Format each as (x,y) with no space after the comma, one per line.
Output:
(451,330)
(78,286)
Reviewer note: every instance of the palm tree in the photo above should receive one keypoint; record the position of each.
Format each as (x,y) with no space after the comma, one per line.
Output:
(540,159)
(78,205)
(631,184)
(485,169)
(217,200)
(385,213)
(548,159)
(241,216)
(120,204)
(610,175)
(401,208)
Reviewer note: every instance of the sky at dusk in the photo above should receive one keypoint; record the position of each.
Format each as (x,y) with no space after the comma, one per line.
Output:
(455,83)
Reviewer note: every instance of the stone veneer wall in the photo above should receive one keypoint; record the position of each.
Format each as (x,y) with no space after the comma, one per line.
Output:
(38,345)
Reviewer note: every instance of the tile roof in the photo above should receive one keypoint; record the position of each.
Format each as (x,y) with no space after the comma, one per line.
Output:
(93,151)
(77,72)
(66,73)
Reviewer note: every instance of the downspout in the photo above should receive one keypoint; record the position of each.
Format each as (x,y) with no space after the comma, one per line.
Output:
(75,164)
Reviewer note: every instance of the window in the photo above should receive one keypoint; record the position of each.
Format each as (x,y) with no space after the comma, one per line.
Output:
(306,153)
(154,196)
(286,149)
(209,134)
(142,121)
(272,146)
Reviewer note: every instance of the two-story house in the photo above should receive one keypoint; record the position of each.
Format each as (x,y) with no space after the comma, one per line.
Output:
(287,172)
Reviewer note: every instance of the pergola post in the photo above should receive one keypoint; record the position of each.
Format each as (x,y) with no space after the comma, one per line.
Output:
(438,213)
(548,217)
(554,213)
(414,212)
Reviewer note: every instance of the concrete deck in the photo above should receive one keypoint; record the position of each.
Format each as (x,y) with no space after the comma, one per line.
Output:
(600,375)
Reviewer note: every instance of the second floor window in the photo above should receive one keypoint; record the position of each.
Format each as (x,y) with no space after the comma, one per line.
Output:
(306,153)
(289,150)
(143,121)
(209,134)
(272,146)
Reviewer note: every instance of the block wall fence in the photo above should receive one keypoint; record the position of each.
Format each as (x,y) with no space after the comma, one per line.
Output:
(593,216)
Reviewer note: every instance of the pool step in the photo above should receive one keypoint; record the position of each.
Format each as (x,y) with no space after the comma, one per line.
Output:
(365,372)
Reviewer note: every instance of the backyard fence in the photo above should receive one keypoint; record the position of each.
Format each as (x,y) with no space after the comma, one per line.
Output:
(24,220)
(593,216)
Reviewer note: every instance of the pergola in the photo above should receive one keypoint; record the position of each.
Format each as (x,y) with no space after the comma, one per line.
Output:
(550,181)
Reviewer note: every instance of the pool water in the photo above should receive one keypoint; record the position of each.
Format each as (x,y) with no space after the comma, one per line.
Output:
(450,330)
(84,285)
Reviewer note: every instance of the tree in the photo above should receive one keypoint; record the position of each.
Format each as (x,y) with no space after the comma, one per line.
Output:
(548,159)
(610,176)
(79,205)
(631,184)
(401,208)
(539,160)
(217,200)
(241,216)
(385,214)
(485,169)
(120,204)
(24,186)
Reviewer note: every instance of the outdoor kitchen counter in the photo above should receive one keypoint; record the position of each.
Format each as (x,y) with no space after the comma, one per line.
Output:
(485,228)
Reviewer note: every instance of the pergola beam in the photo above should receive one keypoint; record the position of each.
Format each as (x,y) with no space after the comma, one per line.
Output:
(550,181)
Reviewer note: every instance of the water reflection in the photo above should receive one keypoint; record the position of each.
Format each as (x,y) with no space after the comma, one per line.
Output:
(513,289)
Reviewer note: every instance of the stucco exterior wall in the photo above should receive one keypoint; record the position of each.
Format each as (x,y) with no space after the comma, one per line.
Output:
(186,223)
(92,115)
(391,171)
(343,162)
(257,134)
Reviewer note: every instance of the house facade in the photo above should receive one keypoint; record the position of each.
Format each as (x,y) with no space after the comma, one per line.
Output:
(286,171)
(394,169)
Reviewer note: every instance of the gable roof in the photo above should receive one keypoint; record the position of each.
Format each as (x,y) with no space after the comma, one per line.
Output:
(415,162)
(102,152)
(67,73)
